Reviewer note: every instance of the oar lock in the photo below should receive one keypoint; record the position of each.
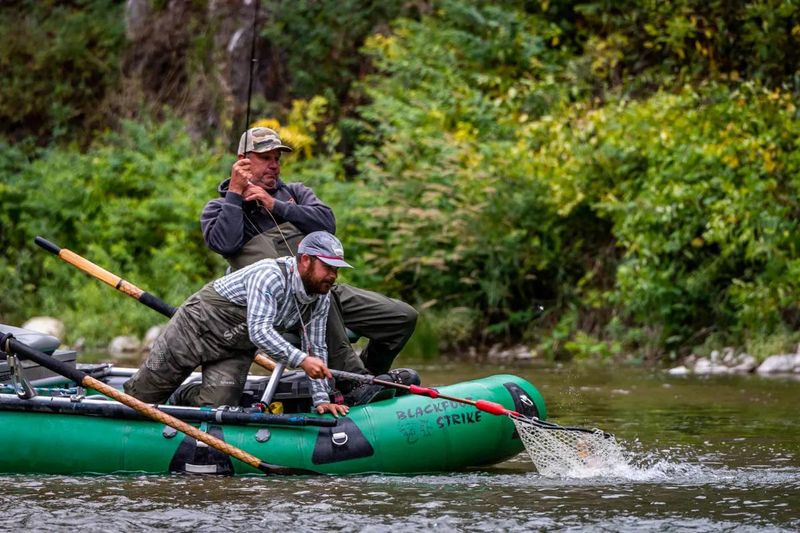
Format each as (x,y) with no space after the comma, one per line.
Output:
(20,383)
(79,395)
(18,380)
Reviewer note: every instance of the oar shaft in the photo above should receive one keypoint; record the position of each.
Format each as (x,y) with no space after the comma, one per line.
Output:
(171,421)
(146,409)
(107,277)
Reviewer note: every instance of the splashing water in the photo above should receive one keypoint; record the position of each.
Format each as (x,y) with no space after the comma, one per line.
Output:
(570,452)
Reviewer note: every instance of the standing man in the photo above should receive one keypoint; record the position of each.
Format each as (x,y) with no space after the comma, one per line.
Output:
(258,216)
(221,326)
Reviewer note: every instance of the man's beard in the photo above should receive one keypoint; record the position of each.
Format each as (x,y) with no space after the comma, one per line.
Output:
(322,286)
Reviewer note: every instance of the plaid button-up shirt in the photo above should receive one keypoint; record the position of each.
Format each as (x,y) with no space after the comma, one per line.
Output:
(273,303)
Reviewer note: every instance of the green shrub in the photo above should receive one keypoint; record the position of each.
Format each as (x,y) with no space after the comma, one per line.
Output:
(700,188)
(130,204)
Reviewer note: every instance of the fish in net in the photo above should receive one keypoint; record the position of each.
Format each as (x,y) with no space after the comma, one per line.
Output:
(559,451)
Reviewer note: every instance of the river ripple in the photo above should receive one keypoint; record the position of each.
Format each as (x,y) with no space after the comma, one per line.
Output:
(705,454)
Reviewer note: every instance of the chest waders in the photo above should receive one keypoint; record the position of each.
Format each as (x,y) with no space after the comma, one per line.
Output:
(207,331)
(268,244)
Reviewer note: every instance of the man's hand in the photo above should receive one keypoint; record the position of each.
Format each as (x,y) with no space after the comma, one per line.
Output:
(315,368)
(334,409)
(254,192)
(240,176)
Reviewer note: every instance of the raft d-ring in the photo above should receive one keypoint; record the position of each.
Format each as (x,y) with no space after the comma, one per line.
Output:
(339,438)
(525,400)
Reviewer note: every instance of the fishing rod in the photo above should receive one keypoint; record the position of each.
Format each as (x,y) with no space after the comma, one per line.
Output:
(250,76)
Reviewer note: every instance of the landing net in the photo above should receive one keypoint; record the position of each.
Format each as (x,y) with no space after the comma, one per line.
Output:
(558,451)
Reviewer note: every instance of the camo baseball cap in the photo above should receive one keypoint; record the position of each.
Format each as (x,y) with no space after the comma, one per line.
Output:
(261,140)
(325,247)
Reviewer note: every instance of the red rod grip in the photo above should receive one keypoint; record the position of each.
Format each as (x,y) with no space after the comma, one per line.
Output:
(491,407)
(425,391)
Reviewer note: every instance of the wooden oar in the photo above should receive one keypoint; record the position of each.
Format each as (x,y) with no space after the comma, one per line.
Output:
(10,345)
(107,277)
(150,300)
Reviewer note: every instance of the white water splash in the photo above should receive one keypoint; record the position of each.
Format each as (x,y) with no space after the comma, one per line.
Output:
(582,455)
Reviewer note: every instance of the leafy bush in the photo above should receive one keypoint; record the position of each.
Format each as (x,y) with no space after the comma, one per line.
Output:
(320,40)
(637,46)
(130,204)
(449,212)
(592,177)
(700,189)
(653,222)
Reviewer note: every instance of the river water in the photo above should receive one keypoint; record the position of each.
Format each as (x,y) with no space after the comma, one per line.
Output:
(701,454)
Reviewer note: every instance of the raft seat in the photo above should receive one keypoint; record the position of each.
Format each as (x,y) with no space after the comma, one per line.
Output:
(36,374)
(38,341)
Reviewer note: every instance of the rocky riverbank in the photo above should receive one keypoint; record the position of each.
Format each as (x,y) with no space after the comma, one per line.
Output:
(726,361)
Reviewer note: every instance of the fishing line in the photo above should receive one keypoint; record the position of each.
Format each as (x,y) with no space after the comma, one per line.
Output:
(250,77)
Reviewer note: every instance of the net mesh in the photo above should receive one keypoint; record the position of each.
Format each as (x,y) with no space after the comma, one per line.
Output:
(568,452)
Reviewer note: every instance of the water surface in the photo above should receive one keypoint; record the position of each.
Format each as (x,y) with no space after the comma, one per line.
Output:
(703,454)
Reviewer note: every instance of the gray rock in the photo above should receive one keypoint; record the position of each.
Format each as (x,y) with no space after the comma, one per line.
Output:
(701,366)
(744,363)
(124,346)
(678,371)
(728,356)
(47,325)
(779,364)
(521,353)
(79,344)
(704,366)
(496,352)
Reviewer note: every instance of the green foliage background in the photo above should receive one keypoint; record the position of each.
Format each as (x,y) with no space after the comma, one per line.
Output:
(593,178)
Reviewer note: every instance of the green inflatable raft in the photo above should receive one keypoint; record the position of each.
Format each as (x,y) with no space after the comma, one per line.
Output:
(57,428)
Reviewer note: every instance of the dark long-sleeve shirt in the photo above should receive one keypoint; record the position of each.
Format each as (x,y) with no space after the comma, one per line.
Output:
(229,222)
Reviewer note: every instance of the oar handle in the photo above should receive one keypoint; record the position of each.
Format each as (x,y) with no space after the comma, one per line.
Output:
(47,245)
(107,277)
(11,345)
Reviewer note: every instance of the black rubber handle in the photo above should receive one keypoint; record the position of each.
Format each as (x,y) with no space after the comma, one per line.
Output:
(47,245)
(157,304)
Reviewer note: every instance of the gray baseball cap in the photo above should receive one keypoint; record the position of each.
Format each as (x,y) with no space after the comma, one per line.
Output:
(261,140)
(325,247)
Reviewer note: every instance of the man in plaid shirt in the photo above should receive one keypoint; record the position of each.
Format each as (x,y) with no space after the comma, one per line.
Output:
(221,326)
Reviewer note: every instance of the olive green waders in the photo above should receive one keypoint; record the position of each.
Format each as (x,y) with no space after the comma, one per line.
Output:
(386,322)
(208,331)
